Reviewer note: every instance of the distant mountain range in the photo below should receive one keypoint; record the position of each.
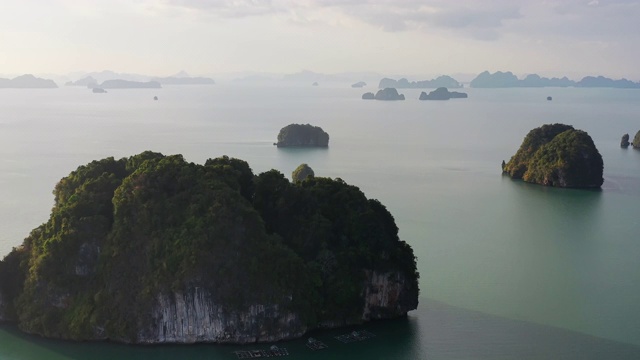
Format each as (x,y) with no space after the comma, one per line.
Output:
(441,81)
(171,80)
(27,81)
(181,78)
(509,80)
(483,80)
(305,77)
(126,84)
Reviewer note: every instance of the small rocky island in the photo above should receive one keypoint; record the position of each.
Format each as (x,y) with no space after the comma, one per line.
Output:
(624,142)
(557,155)
(155,249)
(302,135)
(442,93)
(359,84)
(301,173)
(387,94)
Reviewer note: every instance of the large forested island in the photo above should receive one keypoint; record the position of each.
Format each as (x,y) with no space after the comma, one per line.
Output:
(154,249)
(557,155)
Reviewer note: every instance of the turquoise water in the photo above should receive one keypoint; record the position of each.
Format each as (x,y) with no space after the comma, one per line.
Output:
(508,270)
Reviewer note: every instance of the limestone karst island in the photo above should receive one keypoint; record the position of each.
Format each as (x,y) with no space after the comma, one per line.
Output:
(557,155)
(302,135)
(154,249)
(387,94)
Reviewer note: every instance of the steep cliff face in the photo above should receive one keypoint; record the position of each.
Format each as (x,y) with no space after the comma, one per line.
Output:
(388,295)
(193,317)
(2,308)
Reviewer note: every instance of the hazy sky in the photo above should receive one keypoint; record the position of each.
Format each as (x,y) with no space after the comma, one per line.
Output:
(162,37)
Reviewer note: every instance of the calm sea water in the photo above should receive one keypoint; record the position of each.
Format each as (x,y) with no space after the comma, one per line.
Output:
(508,270)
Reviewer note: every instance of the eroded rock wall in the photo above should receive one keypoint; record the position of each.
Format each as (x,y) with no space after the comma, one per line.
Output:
(194,317)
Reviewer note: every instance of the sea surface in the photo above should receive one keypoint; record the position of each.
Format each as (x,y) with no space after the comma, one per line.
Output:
(508,270)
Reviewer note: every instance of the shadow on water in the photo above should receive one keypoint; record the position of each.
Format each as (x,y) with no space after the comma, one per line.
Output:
(453,333)
(435,331)
(290,157)
(394,339)
(560,211)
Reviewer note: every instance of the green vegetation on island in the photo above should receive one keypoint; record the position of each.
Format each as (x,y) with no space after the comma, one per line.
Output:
(636,141)
(301,173)
(557,155)
(302,135)
(123,234)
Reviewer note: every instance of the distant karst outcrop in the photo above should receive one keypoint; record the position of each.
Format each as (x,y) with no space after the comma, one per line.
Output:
(174,80)
(601,81)
(624,142)
(557,155)
(442,93)
(299,135)
(441,81)
(368,96)
(126,84)
(27,81)
(497,80)
(98,90)
(389,94)
(359,84)
(87,81)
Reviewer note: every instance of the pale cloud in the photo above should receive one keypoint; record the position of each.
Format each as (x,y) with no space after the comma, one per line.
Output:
(468,18)
(436,36)
(472,18)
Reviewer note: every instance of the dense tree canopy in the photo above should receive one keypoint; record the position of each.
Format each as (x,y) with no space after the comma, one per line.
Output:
(302,135)
(557,155)
(123,231)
